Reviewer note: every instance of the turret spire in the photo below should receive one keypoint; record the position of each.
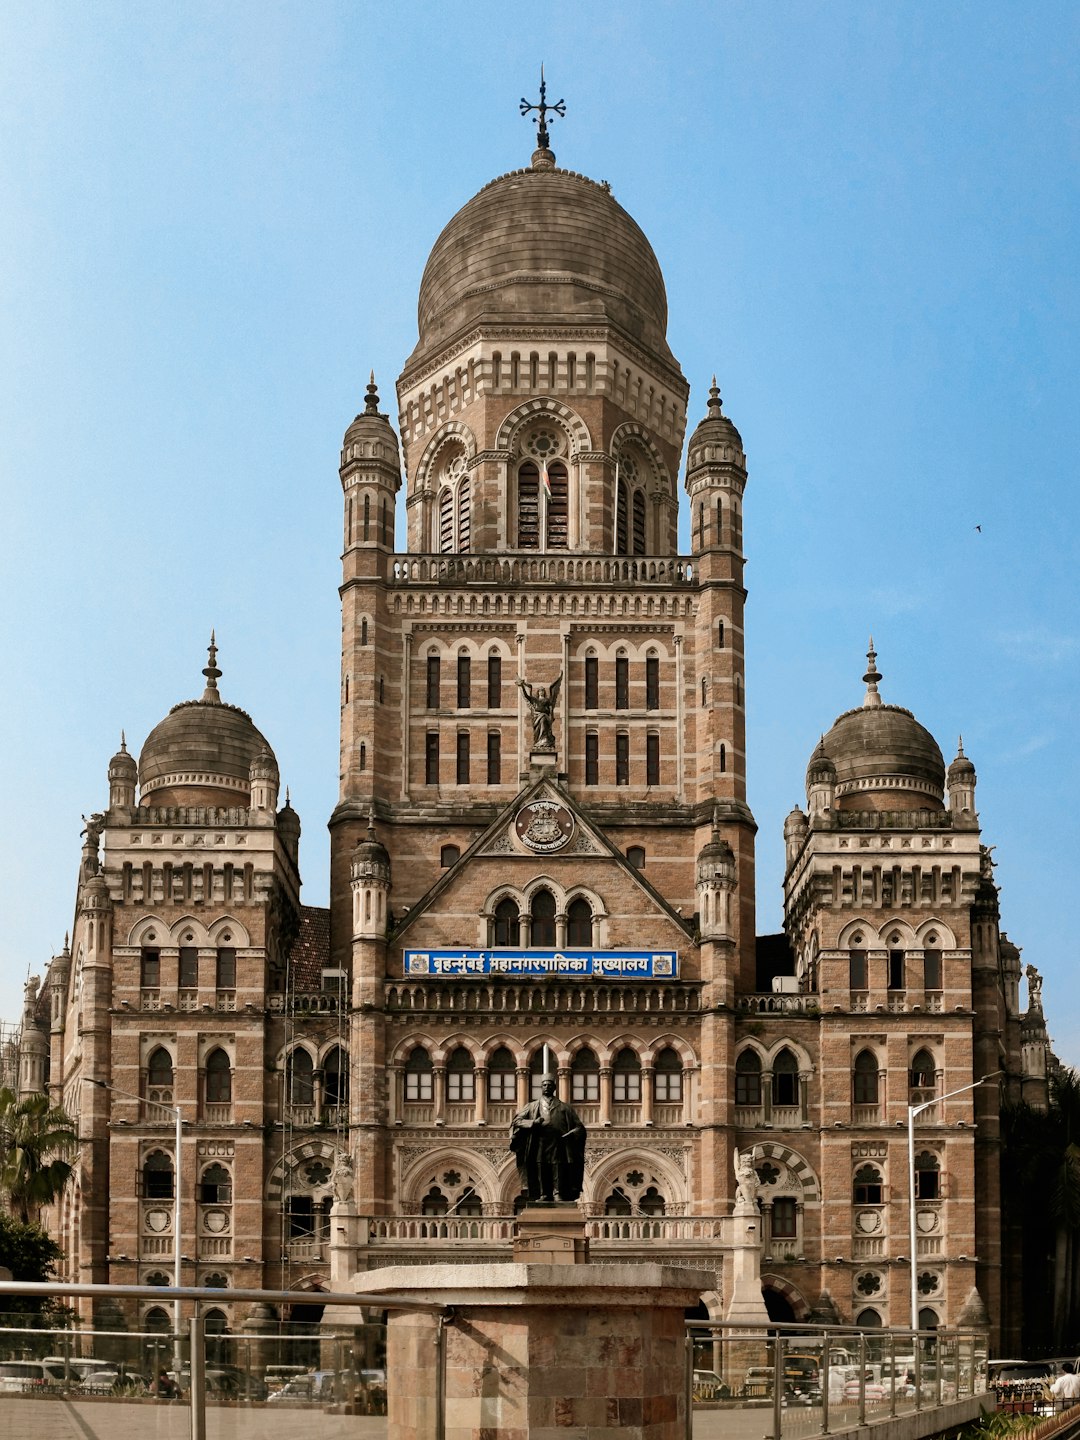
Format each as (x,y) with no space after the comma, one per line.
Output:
(213,674)
(715,403)
(542,158)
(371,399)
(872,699)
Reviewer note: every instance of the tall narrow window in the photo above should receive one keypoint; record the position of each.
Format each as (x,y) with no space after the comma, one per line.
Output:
(431,758)
(460,1077)
(932,969)
(622,758)
(923,1077)
(652,758)
(585,1077)
(419,1075)
(626,1077)
(639,522)
(507,923)
(336,1077)
(621,529)
(592,688)
(384,528)
(446,520)
(927,1176)
(668,1077)
(857,969)
(464,511)
(494,758)
(784,1218)
(363,755)
(652,682)
(896,969)
(218,1078)
(723,758)
(719,521)
(579,924)
(159,1073)
(494,682)
(157,1176)
(189,967)
(367,517)
(363,632)
(502,1077)
(150,969)
(785,1079)
(720,642)
(748,1078)
(592,758)
(865,1079)
(542,911)
(558,507)
(463,757)
(300,1078)
(528,507)
(464,682)
(622,683)
(434,669)
(226,969)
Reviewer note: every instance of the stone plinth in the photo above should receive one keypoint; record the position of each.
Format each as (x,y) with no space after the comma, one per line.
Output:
(541,1352)
(550,1235)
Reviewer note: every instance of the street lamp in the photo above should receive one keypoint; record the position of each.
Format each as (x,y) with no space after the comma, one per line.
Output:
(912,1111)
(174,1111)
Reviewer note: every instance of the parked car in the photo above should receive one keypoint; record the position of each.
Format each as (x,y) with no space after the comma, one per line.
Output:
(317,1387)
(758,1382)
(23,1377)
(708,1385)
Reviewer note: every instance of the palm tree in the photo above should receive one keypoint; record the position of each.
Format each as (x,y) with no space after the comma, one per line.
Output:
(35,1139)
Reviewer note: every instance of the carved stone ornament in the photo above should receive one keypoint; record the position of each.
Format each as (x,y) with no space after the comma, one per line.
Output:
(544,825)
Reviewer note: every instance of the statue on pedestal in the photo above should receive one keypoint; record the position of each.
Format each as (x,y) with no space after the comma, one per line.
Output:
(746,1180)
(542,701)
(547,1139)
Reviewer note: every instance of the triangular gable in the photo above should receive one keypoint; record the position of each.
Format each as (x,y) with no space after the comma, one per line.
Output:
(499,839)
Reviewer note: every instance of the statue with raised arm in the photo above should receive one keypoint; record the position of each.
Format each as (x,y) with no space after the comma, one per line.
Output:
(542,701)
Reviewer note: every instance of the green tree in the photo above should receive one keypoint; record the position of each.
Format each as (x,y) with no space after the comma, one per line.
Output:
(36,1138)
(29,1254)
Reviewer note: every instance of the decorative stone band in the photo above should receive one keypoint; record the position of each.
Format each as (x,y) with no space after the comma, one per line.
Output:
(889,782)
(196,777)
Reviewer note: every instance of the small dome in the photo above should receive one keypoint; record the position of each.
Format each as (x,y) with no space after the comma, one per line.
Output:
(715,437)
(264,766)
(883,758)
(371,421)
(821,770)
(122,766)
(961,768)
(796,823)
(537,246)
(370,857)
(202,752)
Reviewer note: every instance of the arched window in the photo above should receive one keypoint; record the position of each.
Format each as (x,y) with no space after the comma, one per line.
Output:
(579,924)
(927,1176)
(668,1077)
(157,1277)
(470,1203)
(639,522)
(460,1077)
(449,855)
(299,1078)
(446,520)
(923,1077)
(502,1076)
(336,1077)
(585,1077)
(626,1077)
(785,1079)
(528,506)
(864,1079)
(218,1077)
(419,1075)
(557,498)
(652,1202)
(868,1320)
(464,513)
(507,923)
(617,1203)
(216,1281)
(748,1078)
(542,911)
(784,1218)
(635,856)
(215,1186)
(928,1319)
(157,1176)
(159,1071)
(156,1320)
(867,1186)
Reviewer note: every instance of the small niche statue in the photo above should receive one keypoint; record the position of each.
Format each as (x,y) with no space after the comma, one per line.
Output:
(344,1177)
(542,701)
(746,1180)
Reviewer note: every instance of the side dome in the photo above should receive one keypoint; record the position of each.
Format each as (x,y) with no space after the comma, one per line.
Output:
(202,752)
(538,246)
(883,758)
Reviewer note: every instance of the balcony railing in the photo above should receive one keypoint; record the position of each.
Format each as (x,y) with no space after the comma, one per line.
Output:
(781,1003)
(524,998)
(528,569)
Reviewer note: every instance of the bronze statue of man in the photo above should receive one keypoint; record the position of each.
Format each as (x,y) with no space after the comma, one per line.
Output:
(548,1143)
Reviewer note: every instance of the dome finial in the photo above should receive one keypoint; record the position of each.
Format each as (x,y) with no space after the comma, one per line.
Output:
(213,674)
(123,743)
(371,399)
(715,402)
(542,158)
(959,746)
(872,676)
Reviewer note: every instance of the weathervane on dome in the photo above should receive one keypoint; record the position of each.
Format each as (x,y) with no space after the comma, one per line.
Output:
(543,110)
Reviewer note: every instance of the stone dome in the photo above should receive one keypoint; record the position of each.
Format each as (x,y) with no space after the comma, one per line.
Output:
(715,436)
(883,758)
(542,245)
(202,752)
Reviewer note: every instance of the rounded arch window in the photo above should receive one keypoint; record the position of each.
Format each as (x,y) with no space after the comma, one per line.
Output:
(419,1075)
(460,1077)
(300,1078)
(507,922)
(542,912)
(449,855)
(336,1077)
(618,1203)
(668,1077)
(157,1277)
(626,1077)
(923,1074)
(585,1077)
(159,1069)
(635,857)
(579,924)
(867,1188)
(218,1077)
(434,1202)
(502,1076)
(928,1318)
(157,1176)
(865,1078)
(748,1078)
(216,1281)
(785,1079)
(215,1185)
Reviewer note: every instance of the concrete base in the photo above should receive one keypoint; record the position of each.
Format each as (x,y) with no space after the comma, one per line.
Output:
(541,1352)
(551,1235)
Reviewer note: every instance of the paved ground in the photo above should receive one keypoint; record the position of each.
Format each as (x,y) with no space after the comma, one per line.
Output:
(107,1419)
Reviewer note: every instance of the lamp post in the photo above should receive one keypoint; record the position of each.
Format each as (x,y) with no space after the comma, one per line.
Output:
(174,1111)
(912,1111)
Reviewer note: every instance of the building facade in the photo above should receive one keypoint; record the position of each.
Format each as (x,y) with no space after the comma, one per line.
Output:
(542,856)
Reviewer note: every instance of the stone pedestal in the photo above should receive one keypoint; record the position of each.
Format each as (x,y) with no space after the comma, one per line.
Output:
(550,1235)
(344,1242)
(540,1352)
(747,1303)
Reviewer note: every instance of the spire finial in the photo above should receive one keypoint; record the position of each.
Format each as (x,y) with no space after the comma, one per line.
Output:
(871,678)
(371,399)
(542,158)
(213,674)
(715,402)
(371,823)
(960,747)
(123,743)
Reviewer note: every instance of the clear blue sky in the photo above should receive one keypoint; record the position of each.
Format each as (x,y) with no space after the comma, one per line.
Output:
(213,221)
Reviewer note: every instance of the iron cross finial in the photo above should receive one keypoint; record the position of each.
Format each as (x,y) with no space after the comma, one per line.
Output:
(543,110)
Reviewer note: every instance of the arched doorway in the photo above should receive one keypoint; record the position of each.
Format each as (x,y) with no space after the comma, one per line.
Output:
(301,1328)
(778,1306)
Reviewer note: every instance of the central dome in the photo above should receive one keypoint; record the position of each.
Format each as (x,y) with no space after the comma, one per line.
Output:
(539,246)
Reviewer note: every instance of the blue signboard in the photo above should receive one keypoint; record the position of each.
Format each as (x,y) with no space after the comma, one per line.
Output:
(583,964)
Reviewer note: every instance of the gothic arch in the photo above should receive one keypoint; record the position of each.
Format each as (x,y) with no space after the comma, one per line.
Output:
(791,1293)
(452,432)
(900,928)
(189,931)
(149,930)
(631,431)
(946,940)
(404,1048)
(309,1151)
(486,1177)
(602,1176)
(441,1054)
(568,420)
(799,1168)
(230,931)
(866,929)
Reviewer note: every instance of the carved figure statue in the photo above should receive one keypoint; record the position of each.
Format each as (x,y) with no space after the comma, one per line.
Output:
(344,1177)
(1035,985)
(91,864)
(746,1180)
(547,1139)
(542,701)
